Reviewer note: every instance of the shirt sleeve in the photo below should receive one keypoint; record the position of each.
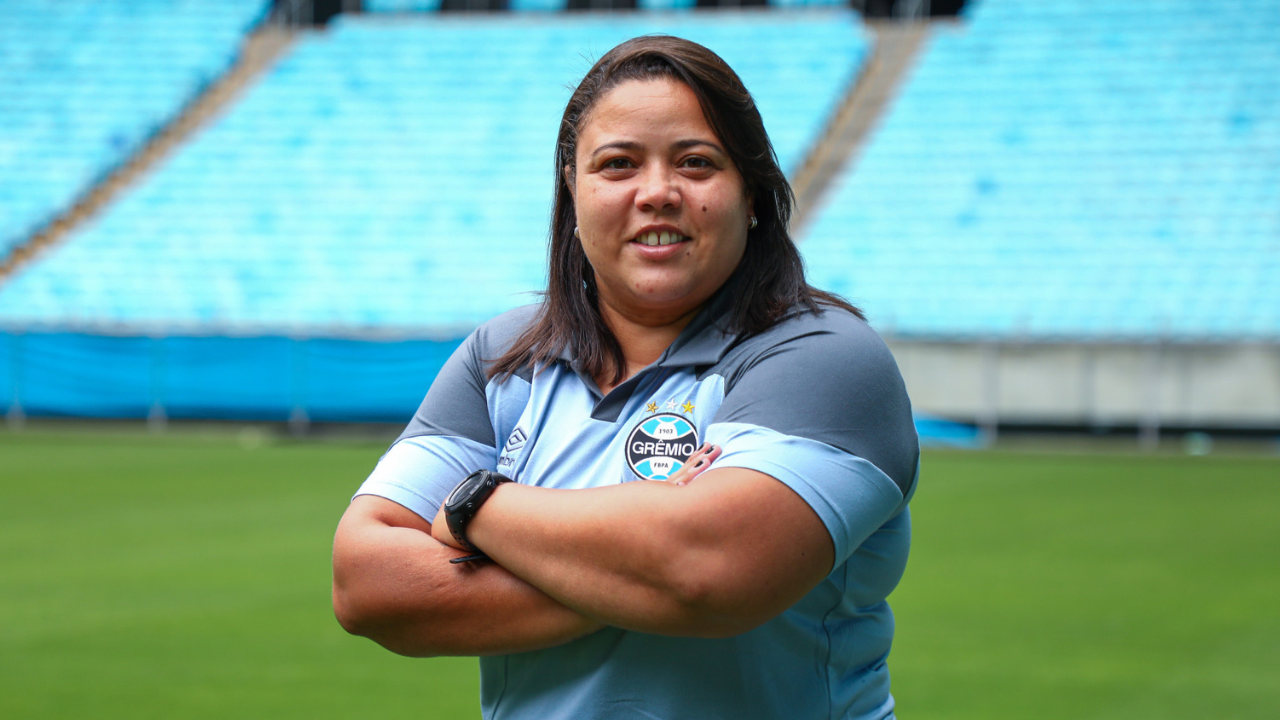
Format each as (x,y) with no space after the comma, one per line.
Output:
(419,472)
(450,436)
(824,410)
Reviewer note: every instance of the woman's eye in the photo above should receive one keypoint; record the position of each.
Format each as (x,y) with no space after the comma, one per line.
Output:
(618,164)
(697,162)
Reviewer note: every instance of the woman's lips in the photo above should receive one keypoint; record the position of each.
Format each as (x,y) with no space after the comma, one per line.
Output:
(654,238)
(659,252)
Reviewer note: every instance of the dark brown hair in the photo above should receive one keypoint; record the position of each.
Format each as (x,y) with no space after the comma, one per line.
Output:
(770,275)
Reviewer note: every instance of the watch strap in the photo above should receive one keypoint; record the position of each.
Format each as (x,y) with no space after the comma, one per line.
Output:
(460,516)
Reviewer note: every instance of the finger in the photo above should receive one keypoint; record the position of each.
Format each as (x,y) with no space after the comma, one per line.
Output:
(698,454)
(698,463)
(689,463)
(709,454)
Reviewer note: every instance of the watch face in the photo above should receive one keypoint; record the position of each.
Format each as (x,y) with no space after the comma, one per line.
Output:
(464,490)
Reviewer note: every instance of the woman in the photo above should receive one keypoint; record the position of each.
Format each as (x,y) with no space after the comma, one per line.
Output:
(712,459)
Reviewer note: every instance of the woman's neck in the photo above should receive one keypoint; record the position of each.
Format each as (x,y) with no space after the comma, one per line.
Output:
(643,339)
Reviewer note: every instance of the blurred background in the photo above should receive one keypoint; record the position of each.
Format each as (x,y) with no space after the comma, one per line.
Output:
(238,238)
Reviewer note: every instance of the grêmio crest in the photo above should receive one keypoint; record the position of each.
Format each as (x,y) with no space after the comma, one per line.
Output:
(660,444)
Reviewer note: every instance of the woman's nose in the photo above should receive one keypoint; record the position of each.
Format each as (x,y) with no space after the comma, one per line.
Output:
(658,190)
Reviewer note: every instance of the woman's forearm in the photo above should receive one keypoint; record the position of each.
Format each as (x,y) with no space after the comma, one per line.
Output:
(577,546)
(395,585)
(650,556)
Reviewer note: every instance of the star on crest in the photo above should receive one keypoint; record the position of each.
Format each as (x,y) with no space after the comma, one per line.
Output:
(687,407)
(671,405)
(651,407)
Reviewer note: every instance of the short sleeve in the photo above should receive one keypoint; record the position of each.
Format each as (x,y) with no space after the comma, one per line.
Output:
(820,405)
(455,405)
(419,472)
(454,431)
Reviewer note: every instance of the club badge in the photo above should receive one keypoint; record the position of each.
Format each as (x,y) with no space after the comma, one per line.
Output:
(660,444)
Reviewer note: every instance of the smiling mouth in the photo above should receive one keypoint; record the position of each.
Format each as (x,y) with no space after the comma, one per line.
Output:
(653,239)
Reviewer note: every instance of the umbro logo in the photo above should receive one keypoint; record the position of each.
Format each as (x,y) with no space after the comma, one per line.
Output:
(516,441)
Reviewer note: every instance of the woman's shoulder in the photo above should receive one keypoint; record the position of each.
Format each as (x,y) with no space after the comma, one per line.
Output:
(825,376)
(831,332)
(828,356)
(494,337)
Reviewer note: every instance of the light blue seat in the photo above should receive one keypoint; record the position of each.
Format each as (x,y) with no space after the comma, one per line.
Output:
(1078,169)
(87,82)
(394,173)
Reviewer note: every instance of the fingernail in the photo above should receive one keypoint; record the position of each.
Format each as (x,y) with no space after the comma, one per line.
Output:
(712,449)
(680,484)
(704,447)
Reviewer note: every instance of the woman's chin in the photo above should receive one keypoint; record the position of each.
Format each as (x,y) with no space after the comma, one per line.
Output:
(663,300)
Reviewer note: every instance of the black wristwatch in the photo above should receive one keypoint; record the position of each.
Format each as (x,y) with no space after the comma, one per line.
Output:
(463,504)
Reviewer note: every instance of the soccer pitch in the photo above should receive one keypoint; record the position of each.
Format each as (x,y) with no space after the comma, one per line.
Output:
(187,576)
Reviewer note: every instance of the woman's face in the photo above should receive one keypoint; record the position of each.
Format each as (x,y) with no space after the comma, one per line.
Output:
(662,210)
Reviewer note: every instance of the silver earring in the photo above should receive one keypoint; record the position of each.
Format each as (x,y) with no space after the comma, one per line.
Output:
(576,233)
(753,223)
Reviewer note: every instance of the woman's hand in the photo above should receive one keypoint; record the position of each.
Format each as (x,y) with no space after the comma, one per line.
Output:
(697,464)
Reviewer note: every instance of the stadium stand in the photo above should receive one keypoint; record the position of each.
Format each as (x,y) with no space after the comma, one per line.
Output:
(87,82)
(1083,170)
(389,180)
(388,176)
(406,6)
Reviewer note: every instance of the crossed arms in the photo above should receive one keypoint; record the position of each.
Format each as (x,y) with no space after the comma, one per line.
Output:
(711,558)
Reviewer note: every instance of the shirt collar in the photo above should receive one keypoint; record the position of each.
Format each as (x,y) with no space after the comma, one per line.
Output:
(704,341)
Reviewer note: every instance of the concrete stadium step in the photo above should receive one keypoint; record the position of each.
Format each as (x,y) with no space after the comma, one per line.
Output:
(897,44)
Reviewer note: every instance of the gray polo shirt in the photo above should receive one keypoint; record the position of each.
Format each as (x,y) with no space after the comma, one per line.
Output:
(816,402)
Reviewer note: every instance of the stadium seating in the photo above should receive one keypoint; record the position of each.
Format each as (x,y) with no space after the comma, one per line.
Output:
(86,82)
(405,6)
(1080,169)
(391,176)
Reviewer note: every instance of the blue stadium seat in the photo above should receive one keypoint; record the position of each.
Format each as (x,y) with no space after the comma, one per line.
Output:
(86,83)
(394,173)
(1081,169)
(416,6)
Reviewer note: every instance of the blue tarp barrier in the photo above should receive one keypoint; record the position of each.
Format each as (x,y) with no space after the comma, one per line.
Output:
(939,432)
(249,378)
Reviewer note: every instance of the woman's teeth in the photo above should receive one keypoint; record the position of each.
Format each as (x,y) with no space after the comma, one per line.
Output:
(659,238)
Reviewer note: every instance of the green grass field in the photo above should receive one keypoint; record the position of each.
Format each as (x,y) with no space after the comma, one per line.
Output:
(187,576)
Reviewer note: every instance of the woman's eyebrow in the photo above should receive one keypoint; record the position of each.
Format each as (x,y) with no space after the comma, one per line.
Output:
(635,146)
(617,145)
(686,144)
